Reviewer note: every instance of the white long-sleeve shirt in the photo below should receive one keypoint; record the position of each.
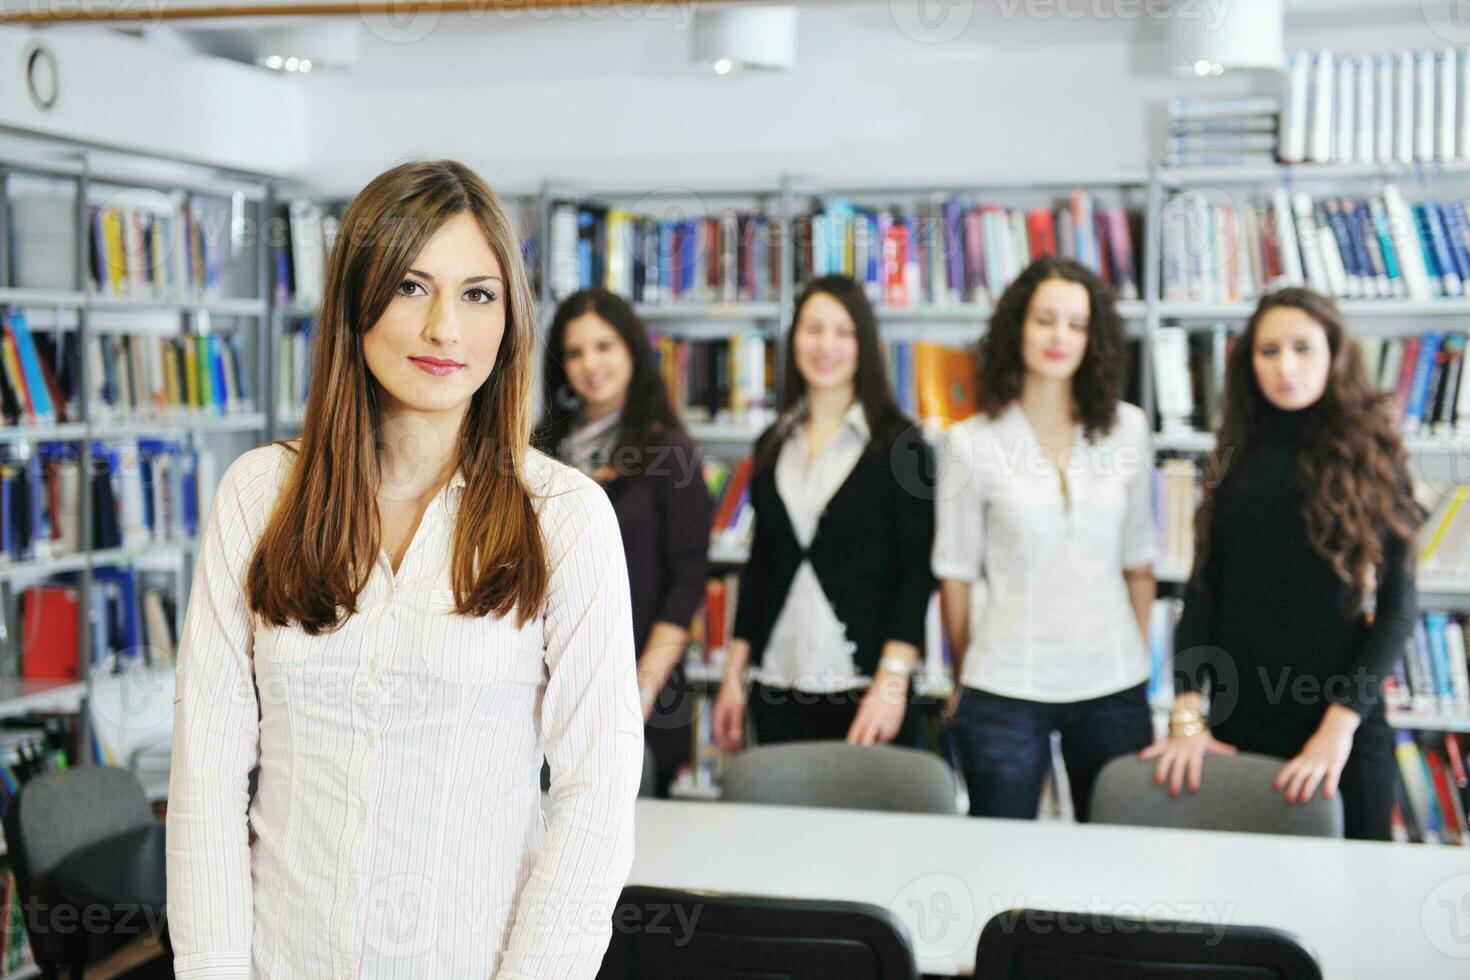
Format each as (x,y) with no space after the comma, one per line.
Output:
(397,830)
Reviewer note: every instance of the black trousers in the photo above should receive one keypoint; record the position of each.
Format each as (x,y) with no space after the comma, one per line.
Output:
(782,714)
(1366,784)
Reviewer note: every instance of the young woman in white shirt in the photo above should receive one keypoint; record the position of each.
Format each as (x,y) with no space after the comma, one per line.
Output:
(1044,530)
(393,617)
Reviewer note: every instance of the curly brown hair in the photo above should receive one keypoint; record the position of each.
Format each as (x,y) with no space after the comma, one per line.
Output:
(1098,383)
(1352,467)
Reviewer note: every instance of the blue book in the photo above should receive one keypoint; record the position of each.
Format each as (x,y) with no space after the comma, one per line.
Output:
(1439,656)
(689,248)
(1385,245)
(1458,231)
(1329,213)
(124,620)
(30,364)
(1431,261)
(1440,243)
(217,374)
(1367,236)
(1419,389)
(242,373)
(1361,250)
(187,469)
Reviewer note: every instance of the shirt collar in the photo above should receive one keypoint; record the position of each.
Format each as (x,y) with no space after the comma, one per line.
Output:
(457,480)
(854,418)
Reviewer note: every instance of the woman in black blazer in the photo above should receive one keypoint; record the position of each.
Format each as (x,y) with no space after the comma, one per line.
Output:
(830,615)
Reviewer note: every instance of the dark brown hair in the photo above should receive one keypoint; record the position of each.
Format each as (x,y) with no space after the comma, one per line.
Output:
(1098,383)
(885,419)
(648,420)
(320,542)
(1352,466)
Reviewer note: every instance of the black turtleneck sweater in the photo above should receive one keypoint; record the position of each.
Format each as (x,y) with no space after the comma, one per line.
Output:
(1274,626)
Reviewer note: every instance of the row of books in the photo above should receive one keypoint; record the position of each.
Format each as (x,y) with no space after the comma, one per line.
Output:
(1432,673)
(15,947)
(299,260)
(30,746)
(726,379)
(1189,377)
(1431,791)
(735,257)
(1224,131)
(131,621)
(1218,251)
(140,249)
(146,491)
(1406,107)
(958,250)
(132,377)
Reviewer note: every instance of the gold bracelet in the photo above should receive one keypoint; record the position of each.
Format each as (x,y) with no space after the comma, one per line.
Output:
(1185,729)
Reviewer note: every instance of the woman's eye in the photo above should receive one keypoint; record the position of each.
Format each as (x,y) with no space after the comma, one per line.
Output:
(407,286)
(481,295)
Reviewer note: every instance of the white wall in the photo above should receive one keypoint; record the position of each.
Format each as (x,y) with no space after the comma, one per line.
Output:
(878,97)
(120,91)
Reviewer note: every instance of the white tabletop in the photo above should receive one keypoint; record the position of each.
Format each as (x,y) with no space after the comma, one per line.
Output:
(1370,910)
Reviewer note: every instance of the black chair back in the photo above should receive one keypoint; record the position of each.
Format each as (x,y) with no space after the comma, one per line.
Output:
(1041,944)
(660,933)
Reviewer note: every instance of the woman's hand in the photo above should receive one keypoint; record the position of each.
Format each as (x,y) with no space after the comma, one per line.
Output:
(729,719)
(952,703)
(1321,760)
(1182,759)
(881,713)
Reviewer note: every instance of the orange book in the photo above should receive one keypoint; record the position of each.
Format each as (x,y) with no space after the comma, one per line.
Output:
(946,382)
(714,613)
(51,641)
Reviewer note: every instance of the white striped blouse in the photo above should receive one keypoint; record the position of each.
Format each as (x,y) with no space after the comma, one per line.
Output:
(397,829)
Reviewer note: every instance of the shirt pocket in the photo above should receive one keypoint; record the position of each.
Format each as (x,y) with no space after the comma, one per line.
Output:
(477,649)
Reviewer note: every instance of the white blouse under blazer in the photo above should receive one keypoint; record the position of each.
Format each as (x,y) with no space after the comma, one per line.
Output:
(1052,620)
(397,831)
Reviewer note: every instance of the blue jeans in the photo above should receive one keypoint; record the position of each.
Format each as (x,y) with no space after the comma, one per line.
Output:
(1005,746)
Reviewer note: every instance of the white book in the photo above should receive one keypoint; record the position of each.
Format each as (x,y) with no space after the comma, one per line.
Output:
(1244,252)
(1424,117)
(1345,117)
(1222,255)
(1171,377)
(1404,235)
(1251,234)
(1366,79)
(1337,277)
(1319,132)
(1175,252)
(307,252)
(1310,243)
(129,478)
(1393,363)
(1462,144)
(1292,145)
(69,504)
(1445,101)
(1454,635)
(1286,243)
(1020,244)
(1403,134)
(1384,118)
(1215,108)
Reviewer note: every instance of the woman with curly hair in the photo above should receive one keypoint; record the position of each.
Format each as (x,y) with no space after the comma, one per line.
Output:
(1311,508)
(1045,505)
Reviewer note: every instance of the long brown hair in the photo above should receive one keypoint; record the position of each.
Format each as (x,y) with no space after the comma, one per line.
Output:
(320,543)
(1352,466)
(1098,383)
(886,421)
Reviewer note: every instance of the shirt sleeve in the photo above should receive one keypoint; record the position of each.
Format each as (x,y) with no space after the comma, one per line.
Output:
(1395,610)
(592,725)
(1194,635)
(1140,535)
(215,747)
(686,518)
(959,514)
(913,537)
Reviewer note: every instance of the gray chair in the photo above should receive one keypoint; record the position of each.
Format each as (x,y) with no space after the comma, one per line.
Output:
(836,774)
(1235,794)
(51,817)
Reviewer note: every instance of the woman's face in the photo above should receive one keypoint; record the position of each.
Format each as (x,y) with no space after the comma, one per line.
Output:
(1291,357)
(1054,335)
(825,344)
(599,365)
(436,342)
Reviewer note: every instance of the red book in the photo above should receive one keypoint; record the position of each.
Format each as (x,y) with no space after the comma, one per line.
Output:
(51,624)
(895,255)
(733,490)
(1041,229)
(1406,377)
(714,613)
(1454,815)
